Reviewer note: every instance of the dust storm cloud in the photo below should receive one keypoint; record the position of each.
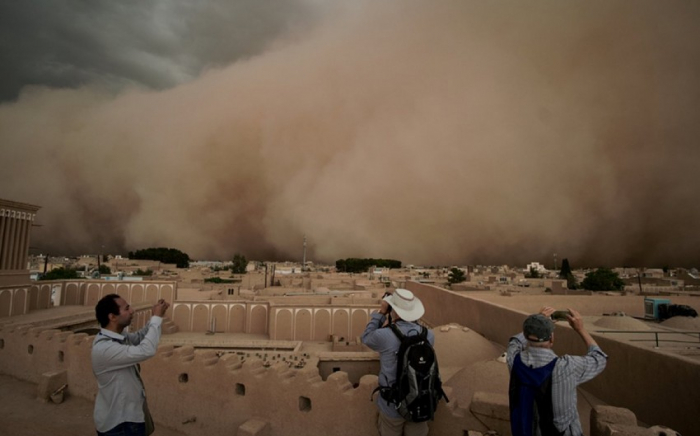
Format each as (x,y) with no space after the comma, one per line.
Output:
(449,133)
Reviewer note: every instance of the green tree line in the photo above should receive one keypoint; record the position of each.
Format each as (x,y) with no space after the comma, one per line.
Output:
(356,265)
(165,255)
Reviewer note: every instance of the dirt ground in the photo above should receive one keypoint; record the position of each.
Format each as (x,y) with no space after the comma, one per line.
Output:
(21,414)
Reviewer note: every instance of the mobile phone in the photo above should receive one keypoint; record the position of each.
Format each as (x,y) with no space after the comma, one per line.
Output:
(560,315)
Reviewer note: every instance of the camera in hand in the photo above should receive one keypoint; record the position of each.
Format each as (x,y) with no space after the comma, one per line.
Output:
(386,294)
(560,315)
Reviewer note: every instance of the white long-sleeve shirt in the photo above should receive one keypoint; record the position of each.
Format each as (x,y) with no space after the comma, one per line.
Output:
(114,358)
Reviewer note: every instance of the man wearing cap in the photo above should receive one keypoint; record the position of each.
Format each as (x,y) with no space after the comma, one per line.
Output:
(402,308)
(543,385)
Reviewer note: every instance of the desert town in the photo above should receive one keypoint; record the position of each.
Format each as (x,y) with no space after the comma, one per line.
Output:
(275,350)
(260,218)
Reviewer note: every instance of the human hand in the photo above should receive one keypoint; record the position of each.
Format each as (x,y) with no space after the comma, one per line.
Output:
(385,308)
(547,311)
(160,308)
(575,320)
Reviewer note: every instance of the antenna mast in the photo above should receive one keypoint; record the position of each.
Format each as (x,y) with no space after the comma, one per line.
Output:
(303,262)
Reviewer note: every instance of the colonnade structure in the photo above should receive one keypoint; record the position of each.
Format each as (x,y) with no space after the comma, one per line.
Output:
(16,221)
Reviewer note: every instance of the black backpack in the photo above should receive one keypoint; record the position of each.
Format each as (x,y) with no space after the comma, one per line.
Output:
(418,387)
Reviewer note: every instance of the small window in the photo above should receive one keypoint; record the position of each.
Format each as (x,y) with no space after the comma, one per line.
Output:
(304,404)
(2,344)
(240,389)
(183,378)
(60,356)
(30,349)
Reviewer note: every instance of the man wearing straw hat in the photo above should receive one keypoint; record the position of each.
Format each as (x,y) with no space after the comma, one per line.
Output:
(404,309)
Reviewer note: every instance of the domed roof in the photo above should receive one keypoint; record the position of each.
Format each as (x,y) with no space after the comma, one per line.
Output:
(487,376)
(683,323)
(457,347)
(621,322)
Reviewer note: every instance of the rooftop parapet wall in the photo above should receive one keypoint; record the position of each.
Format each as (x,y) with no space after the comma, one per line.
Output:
(222,316)
(200,393)
(658,387)
(89,292)
(19,300)
(295,322)
(305,323)
(26,351)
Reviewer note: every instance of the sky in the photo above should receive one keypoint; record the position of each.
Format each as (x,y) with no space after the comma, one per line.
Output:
(436,133)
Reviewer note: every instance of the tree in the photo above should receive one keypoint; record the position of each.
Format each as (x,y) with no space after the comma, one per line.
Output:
(161,254)
(533,274)
(60,274)
(603,279)
(355,265)
(566,273)
(104,269)
(239,264)
(565,269)
(456,275)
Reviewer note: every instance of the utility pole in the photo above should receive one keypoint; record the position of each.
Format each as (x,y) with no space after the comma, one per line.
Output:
(303,262)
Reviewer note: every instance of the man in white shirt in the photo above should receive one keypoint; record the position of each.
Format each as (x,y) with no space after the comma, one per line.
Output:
(120,406)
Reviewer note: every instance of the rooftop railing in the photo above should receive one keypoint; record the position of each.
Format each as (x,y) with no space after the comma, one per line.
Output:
(656,336)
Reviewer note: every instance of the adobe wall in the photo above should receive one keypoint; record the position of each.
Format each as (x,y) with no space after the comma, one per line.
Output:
(89,292)
(659,388)
(21,299)
(26,352)
(298,321)
(355,365)
(231,316)
(318,323)
(200,393)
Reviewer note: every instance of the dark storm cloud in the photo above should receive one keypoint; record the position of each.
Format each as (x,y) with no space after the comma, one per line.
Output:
(153,44)
(448,132)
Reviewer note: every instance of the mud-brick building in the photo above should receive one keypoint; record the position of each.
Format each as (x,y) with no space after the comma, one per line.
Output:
(16,220)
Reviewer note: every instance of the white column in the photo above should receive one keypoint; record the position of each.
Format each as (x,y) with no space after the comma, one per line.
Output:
(24,258)
(3,223)
(21,241)
(8,249)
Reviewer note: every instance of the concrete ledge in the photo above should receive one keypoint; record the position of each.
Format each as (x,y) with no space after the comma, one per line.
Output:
(254,427)
(490,404)
(50,382)
(492,410)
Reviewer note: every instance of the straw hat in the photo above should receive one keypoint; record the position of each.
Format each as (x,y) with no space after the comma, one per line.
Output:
(406,305)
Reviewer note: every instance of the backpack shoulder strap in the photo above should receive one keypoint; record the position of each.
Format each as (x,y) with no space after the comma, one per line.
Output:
(397,331)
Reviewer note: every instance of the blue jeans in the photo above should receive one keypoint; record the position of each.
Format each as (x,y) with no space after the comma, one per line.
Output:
(126,429)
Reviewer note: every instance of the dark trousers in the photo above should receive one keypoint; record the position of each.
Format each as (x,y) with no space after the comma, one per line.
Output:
(126,429)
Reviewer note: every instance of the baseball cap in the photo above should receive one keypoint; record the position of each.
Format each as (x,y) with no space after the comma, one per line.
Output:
(538,328)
